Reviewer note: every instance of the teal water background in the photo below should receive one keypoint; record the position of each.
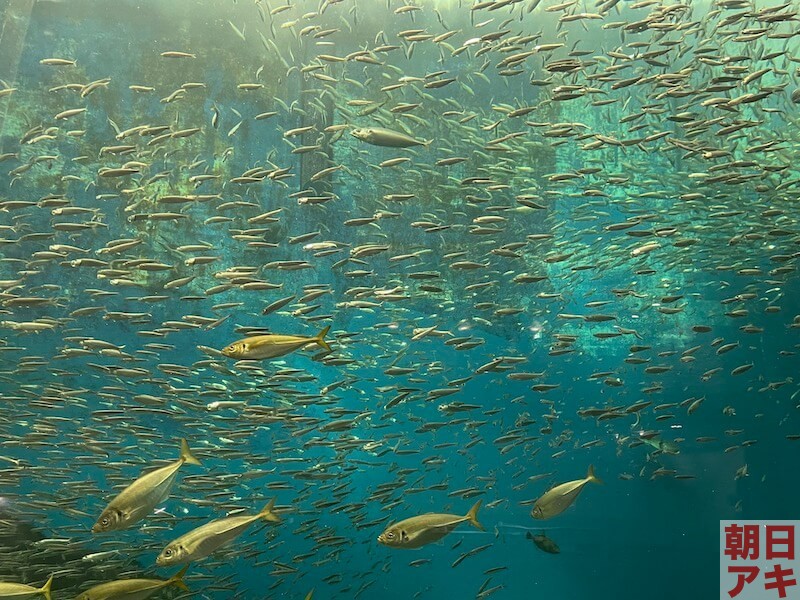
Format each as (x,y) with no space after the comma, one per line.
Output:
(654,537)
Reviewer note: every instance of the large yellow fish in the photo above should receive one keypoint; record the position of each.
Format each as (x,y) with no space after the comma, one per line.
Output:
(208,538)
(561,497)
(20,591)
(425,529)
(260,347)
(139,499)
(133,589)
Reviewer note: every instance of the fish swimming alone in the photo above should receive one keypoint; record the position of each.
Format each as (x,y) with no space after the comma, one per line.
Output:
(133,589)
(139,499)
(425,529)
(20,591)
(261,347)
(207,539)
(543,543)
(665,446)
(378,136)
(561,497)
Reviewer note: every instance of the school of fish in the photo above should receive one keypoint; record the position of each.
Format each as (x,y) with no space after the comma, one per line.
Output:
(464,208)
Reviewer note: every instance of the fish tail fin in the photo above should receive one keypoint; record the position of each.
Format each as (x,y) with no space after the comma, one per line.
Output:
(320,339)
(428,143)
(592,477)
(267,513)
(177,579)
(46,588)
(472,515)
(186,454)
(528,535)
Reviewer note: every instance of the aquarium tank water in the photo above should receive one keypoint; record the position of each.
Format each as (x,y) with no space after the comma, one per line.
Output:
(399,299)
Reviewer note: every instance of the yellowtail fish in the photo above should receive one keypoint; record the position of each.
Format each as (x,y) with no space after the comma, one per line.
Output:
(261,347)
(20,591)
(208,538)
(425,529)
(133,589)
(139,499)
(561,497)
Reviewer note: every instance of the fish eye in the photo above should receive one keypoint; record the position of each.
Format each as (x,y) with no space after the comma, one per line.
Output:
(104,521)
(167,552)
(390,535)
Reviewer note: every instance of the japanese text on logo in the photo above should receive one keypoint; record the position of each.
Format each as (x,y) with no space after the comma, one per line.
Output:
(758,560)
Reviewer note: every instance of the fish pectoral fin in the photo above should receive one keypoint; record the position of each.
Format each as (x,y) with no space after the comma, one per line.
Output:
(255,343)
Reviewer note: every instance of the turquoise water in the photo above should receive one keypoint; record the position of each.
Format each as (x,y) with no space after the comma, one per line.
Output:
(635,197)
